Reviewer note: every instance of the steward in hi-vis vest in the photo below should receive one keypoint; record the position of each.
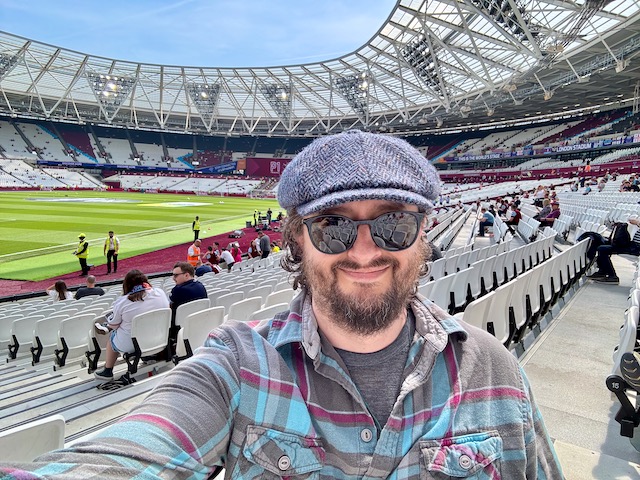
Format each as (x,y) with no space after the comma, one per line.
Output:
(195,226)
(193,254)
(82,252)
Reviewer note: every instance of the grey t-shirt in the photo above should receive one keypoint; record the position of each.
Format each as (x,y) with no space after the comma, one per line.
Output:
(265,244)
(379,375)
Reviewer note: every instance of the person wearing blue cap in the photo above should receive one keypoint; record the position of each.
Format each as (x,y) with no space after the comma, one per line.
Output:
(361,377)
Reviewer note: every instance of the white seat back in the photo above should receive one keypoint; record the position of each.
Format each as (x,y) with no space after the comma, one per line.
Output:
(281,296)
(196,327)
(186,309)
(74,331)
(151,330)
(262,292)
(244,308)
(440,293)
(26,442)
(23,328)
(268,313)
(228,299)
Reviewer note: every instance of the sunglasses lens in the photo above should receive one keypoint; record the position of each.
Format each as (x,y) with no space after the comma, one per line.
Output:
(395,231)
(392,231)
(332,234)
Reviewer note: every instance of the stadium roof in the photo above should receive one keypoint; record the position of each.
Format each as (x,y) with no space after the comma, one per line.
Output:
(436,62)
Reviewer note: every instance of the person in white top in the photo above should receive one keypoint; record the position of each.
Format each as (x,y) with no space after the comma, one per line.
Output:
(227,258)
(58,291)
(139,297)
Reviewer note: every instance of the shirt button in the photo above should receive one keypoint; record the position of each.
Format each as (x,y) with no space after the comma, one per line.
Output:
(366,435)
(465,462)
(284,462)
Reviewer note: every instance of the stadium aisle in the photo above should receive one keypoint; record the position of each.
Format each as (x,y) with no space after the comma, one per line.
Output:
(567,368)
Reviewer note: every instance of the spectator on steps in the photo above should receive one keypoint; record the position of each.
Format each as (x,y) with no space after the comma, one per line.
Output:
(236,252)
(227,258)
(265,244)
(58,291)
(139,297)
(90,289)
(253,251)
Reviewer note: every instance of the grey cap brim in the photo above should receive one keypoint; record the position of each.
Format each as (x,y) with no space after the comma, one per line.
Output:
(390,194)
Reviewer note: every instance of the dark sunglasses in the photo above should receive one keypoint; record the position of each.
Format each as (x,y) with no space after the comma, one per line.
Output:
(393,231)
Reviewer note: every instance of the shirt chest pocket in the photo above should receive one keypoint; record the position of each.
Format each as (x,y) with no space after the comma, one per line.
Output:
(283,455)
(475,456)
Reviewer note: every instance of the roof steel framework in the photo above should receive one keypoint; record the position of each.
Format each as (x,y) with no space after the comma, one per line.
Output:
(431,62)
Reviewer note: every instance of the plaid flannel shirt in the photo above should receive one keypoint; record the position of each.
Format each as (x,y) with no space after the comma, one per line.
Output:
(273,402)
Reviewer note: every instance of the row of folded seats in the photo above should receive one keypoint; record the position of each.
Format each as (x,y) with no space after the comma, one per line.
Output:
(624,380)
(508,293)
(44,327)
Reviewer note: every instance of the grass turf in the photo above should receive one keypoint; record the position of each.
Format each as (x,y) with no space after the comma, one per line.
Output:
(39,230)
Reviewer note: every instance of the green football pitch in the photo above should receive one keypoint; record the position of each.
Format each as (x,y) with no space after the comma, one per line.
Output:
(39,230)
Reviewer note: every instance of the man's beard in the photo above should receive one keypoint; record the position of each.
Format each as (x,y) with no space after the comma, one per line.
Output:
(367,311)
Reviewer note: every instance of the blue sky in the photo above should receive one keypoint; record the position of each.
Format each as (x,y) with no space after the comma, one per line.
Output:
(216,33)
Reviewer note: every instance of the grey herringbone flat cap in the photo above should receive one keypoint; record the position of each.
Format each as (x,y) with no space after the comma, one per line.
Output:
(354,166)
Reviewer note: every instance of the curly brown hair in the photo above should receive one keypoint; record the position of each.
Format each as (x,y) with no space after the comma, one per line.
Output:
(291,260)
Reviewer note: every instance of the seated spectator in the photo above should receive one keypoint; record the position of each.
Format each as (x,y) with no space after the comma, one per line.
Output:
(58,291)
(90,289)
(275,247)
(139,297)
(486,220)
(512,218)
(201,268)
(619,241)
(626,186)
(210,258)
(186,290)
(544,211)
(551,217)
